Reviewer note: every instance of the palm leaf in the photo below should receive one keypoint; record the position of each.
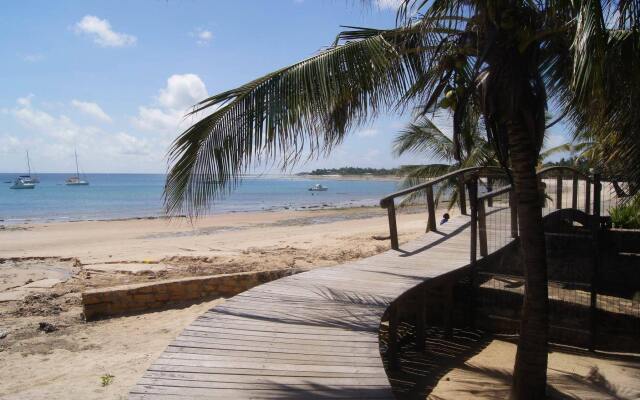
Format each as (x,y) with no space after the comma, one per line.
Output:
(309,105)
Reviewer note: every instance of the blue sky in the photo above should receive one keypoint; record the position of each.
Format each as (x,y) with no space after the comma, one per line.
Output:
(113,78)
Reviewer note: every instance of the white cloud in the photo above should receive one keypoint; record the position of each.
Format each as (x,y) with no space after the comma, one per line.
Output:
(25,101)
(9,144)
(156,119)
(203,36)
(388,4)
(367,132)
(180,94)
(130,145)
(91,109)
(101,32)
(33,58)
(53,136)
(182,91)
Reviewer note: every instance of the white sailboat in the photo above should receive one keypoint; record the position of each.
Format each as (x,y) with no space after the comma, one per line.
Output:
(25,181)
(75,180)
(20,183)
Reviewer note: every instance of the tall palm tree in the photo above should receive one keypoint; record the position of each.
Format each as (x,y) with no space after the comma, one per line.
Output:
(516,53)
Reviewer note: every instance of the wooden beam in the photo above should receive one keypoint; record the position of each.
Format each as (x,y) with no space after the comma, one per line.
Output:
(482,228)
(462,198)
(559,192)
(574,192)
(513,206)
(587,196)
(431,210)
(393,229)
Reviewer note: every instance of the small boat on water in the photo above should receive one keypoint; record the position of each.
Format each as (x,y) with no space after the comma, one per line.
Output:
(25,181)
(75,180)
(318,188)
(19,183)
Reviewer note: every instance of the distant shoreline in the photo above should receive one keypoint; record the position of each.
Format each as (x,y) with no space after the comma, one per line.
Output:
(353,177)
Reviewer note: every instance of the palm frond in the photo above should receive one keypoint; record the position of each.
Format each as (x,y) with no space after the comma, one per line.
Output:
(309,105)
(423,136)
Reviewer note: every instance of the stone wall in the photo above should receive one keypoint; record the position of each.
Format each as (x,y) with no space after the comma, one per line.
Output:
(126,299)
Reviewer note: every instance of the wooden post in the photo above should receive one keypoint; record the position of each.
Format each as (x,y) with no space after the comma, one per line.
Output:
(473,199)
(574,192)
(421,323)
(482,228)
(431,209)
(587,196)
(392,346)
(489,189)
(393,229)
(597,189)
(595,227)
(513,206)
(559,191)
(462,198)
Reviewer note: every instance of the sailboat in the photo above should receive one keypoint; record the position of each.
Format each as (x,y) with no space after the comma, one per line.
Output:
(75,180)
(28,178)
(25,181)
(19,183)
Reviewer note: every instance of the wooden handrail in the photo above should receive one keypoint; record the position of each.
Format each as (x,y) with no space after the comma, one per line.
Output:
(388,201)
(385,200)
(564,168)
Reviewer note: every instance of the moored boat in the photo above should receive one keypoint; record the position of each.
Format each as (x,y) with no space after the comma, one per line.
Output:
(19,183)
(75,180)
(318,188)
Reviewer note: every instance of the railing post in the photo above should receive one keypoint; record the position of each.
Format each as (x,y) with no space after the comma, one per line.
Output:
(482,228)
(489,189)
(462,198)
(595,227)
(597,188)
(513,206)
(559,188)
(393,229)
(431,209)
(473,200)
(587,196)
(574,192)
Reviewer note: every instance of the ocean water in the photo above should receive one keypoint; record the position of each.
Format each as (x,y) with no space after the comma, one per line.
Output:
(115,196)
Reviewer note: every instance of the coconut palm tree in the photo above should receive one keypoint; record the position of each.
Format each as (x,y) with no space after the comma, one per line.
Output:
(423,137)
(516,53)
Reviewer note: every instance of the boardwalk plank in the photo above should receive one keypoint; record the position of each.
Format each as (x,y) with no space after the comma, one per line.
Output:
(306,336)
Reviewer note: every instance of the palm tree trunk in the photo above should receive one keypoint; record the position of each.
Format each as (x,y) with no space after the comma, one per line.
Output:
(530,371)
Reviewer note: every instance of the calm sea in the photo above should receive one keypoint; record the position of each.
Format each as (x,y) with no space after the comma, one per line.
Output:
(113,196)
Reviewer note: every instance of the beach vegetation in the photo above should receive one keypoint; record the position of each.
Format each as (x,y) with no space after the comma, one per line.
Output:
(627,215)
(106,379)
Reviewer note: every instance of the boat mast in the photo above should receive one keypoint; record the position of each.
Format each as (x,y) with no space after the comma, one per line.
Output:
(28,164)
(75,151)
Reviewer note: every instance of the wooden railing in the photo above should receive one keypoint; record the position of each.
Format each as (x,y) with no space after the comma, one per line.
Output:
(466,179)
(467,182)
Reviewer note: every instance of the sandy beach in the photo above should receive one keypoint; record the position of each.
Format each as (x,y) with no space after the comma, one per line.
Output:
(45,267)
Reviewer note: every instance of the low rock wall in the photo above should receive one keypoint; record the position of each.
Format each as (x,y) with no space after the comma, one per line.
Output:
(136,298)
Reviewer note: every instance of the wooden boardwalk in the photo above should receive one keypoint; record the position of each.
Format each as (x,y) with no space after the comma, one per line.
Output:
(309,336)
